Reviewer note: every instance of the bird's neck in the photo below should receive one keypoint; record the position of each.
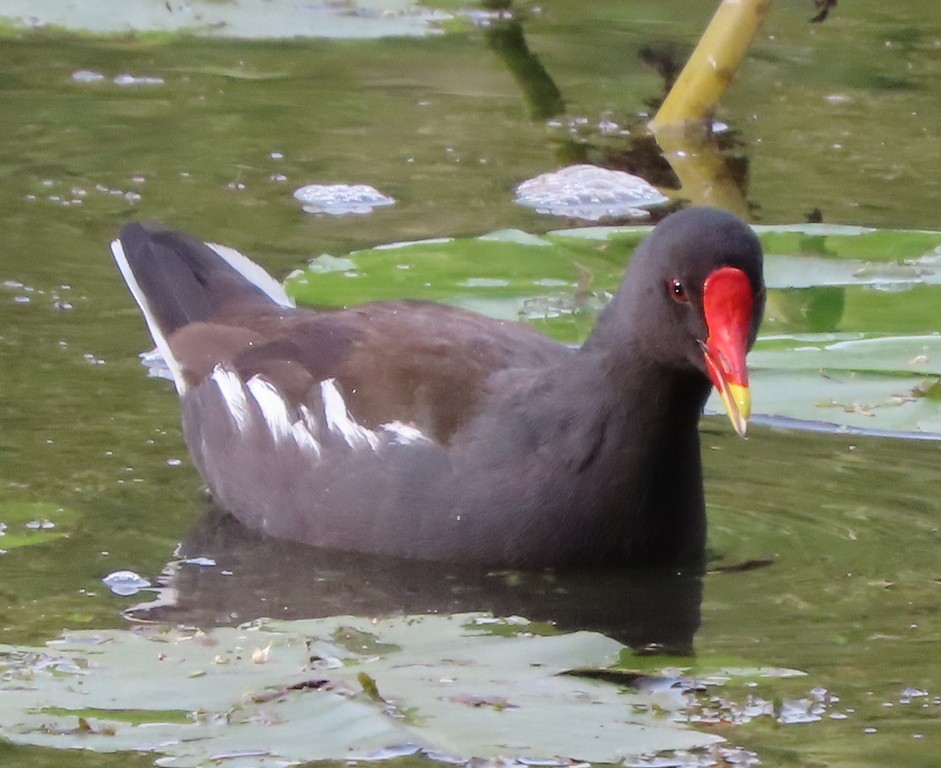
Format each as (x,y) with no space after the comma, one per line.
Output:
(651,466)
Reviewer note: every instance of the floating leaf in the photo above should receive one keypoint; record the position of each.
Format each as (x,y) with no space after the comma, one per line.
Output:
(446,690)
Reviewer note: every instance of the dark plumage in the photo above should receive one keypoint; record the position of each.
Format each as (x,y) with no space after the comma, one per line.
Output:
(426,431)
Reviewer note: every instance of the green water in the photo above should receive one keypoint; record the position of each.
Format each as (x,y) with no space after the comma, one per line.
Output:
(840,117)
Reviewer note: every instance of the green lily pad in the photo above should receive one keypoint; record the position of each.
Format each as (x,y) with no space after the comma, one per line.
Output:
(26,523)
(851,334)
(286,691)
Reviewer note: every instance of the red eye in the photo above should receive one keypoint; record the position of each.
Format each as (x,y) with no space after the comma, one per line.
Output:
(677,291)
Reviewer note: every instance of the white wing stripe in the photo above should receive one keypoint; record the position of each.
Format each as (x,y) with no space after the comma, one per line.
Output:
(339,420)
(272,405)
(402,433)
(303,431)
(230,386)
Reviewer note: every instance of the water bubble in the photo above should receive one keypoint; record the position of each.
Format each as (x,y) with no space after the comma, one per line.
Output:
(40,525)
(338,199)
(590,193)
(484,282)
(202,562)
(87,76)
(126,80)
(125,583)
(800,711)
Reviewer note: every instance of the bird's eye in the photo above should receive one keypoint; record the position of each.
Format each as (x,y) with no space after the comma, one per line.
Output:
(677,291)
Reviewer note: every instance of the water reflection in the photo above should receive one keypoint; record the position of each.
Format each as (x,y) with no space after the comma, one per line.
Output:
(544,99)
(254,576)
(698,163)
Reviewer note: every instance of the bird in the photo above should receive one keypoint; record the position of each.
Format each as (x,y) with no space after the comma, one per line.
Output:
(426,431)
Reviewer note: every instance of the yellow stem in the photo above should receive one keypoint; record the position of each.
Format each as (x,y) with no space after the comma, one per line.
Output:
(702,169)
(713,63)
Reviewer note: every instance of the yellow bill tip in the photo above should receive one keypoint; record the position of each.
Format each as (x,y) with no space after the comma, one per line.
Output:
(737,401)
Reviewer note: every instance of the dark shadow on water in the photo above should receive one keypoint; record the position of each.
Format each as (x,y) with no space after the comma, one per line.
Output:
(254,576)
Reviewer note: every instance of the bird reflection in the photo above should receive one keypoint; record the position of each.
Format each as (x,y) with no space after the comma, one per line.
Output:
(254,576)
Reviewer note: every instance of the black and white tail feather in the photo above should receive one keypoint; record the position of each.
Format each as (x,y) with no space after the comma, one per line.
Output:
(177,280)
(143,264)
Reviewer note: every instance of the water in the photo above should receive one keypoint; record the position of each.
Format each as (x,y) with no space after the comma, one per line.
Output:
(838,118)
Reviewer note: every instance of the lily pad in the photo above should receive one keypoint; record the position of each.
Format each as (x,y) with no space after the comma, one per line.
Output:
(274,692)
(253,19)
(26,523)
(851,335)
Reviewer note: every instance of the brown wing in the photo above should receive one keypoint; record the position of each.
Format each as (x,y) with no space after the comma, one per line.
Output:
(423,364)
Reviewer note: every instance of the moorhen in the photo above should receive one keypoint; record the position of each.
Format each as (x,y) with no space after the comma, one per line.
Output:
(426,431)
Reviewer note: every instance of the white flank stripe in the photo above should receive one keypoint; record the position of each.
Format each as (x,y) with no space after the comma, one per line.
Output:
(304,430)
(404,434)
(304,439)
(160,340)
(230,386)
(254,273)
(308,418)
(273,407)
(339,419)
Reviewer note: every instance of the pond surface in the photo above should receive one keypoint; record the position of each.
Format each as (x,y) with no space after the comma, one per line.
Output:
(836,121)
